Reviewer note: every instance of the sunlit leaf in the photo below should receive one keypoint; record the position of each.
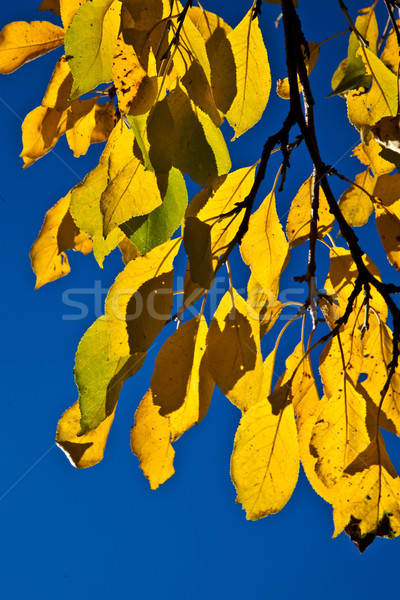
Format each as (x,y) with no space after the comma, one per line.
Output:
(151,442)
(184,399)
(376,360)
(86,450)
(387,213)
(81,123)
(212,28)
(151,230)
(265,459)
(369,154)
(264,246)
(69,8)
(367,498)
(85,202)
(365,109)
(41,130)
(355,204)
(264,304)
(233,351)
(21,42)
(136,91)
(91,63)
(132,193)
(253,77)
(299,219)
(59,87)
(58,234)
(99,377)
(199,148)
(339,433)
(140,301)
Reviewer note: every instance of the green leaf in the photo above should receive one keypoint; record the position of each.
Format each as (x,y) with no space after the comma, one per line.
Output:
(100,378)
(154,229)
(90,42)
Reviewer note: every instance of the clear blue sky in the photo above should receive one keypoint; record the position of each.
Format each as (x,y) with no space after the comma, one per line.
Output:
(101,532)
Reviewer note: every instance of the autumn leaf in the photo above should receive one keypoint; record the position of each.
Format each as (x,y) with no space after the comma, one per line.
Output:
(365,109)
(265,448)
(140,301)
(233,351)
(152,230)
(99,377)
(355,204)
(264,246)
(367,498)
(85,450)
(58,234)
(91,62)
(151,442)
(184,399)
(21,42)
(299,218)
(246,47)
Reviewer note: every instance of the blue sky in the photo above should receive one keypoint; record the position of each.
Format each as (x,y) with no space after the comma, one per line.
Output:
(101,532)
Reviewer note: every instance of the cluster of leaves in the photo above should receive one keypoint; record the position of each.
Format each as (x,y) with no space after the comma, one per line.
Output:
(173,74)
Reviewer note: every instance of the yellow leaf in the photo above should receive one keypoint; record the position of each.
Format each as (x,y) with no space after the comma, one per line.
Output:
(132,193)
(136,91)
(365,109)
(367,498)
(98,23)
(264,304)
(369,154)
(339,433)
(68,9)
(184,399)
(233,351)
(390,54)
(80,125)
(265,459)
(340,358)
(377,356)
(58,234)
(355,204)
(193,68)
(85,202)
(21,42)
(215,210)
(299,219)
(304,393)
(150,442)
(59,88)
(264,247)
(86,450)
(140,300)
(339,285)
(197,240)
(253,77)
(387,213)
(41,130)
(212,28)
